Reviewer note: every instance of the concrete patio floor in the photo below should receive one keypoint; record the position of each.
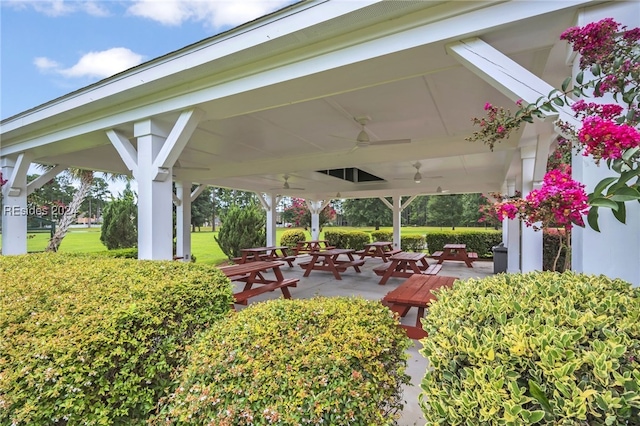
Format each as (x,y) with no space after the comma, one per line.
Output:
(365,284)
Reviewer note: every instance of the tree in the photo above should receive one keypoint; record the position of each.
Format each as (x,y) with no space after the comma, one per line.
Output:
(367,212)
(201,208)
(120,222)
(242,228)
(471,208)
(445,210)
(298,213)
(98,195)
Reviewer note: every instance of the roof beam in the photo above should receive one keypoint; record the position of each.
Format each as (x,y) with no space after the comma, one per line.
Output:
(505,75)
(125,149)
(178,138)
(44,178)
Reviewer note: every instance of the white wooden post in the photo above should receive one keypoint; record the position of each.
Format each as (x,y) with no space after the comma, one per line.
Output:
(14,204)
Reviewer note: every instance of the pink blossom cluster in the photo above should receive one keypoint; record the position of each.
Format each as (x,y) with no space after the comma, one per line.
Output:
(561,201)
(606,111)
(595,41)
(603,138)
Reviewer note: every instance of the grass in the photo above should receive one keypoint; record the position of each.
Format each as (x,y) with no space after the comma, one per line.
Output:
(203,244)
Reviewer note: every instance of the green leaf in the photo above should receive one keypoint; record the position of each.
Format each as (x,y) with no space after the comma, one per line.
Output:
(621,213)
(603,184)
(538,394)
(527,118)
(592,219)
(630,152)
(580,77)
(603,202)
(625,193)
(566,83)
(558,101)
(536,416)
(595,69)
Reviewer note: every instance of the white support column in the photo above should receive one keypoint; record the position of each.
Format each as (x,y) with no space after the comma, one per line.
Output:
(269,203)
(14,203)
(183,221)
(513,236)
(397,222)
(315,207)
(155,195)
(531,259)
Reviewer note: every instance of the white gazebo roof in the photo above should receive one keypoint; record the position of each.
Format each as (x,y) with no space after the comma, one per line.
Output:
(280,95)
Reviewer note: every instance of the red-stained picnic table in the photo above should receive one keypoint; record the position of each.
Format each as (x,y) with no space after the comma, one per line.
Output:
(252,273)
(329,260)
(254,254)
(381,249)
(415,292)
(457,252)
(405,264)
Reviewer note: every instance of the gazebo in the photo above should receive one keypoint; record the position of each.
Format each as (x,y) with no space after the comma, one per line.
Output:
(328,97)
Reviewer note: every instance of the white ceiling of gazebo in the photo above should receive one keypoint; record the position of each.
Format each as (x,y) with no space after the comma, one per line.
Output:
(281,94)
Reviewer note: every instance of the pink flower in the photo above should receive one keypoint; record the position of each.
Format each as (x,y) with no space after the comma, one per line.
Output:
(603,138)
(487,106)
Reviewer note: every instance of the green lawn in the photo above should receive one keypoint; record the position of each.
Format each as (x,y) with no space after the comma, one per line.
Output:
(203,244)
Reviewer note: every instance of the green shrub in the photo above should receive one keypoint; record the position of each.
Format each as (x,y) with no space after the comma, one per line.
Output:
(332,361)
(125,253)
(242,228)
(336,238)
(547,348)
(382,236)
(412,242)
(356,240)
(290,237)
(86,340)
(120,223)
(480,242)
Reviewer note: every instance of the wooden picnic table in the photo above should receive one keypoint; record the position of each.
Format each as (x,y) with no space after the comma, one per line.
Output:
(456,252)
(252,273)
(415,292)
(381,249)
(328,260)
(404,265)
(312,246)
(254,254)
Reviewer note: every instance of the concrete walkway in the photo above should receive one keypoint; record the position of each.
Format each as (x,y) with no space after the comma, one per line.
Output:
(365,284)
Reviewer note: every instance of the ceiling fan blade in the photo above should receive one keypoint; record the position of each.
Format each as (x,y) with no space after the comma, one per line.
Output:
(390,142)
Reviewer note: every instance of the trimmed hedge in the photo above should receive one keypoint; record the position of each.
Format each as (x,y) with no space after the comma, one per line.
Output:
(86,340)
(412,242)
(480,242)
(331,361)
(382,236)
(347,239)
(546,348)
(290,238)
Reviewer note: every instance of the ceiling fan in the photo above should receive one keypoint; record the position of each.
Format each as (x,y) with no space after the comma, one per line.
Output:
(439,190)
(286,185)
(363,140)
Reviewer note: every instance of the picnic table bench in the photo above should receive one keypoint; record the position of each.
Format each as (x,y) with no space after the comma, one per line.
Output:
(311,246)
(404,265)
(415,292)
(456,252)
(252,273)
(381,249)
(328,260)
(277,253)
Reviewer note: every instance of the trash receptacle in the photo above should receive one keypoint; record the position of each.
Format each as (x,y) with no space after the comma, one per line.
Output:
(499,258)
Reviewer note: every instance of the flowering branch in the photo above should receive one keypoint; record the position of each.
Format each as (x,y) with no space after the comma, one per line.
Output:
(611,54)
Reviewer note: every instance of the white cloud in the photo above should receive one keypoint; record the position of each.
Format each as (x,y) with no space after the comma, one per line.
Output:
(214,13)
(45,64)
(61,7)
(103,64)
(93,64)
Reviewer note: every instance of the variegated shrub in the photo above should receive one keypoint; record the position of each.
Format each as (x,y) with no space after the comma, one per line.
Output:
(537,348)
(95,341)
(320,361)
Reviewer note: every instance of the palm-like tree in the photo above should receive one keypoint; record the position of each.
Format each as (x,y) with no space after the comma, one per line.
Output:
(86,180)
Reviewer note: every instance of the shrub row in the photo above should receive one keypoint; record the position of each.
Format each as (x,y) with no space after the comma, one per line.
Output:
(290,238)
(347,239)
(331,361)
(548,348)
(86,340)
(480,242)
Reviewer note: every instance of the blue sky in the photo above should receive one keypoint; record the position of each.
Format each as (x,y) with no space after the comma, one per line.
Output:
(52,47)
